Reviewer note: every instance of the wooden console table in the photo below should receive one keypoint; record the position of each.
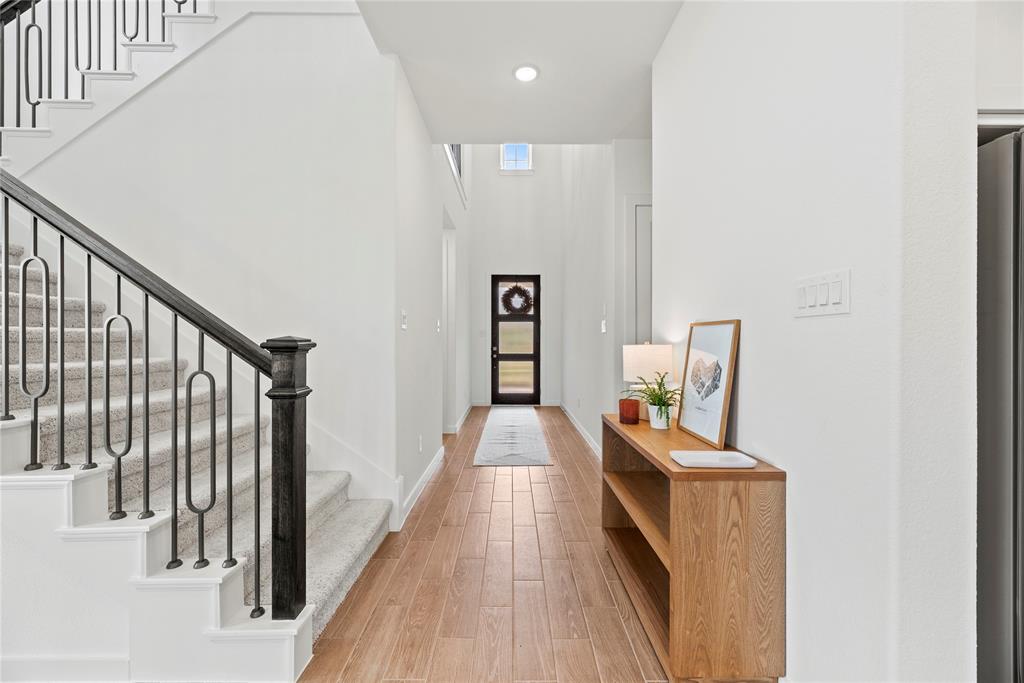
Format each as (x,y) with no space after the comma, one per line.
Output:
(701,552)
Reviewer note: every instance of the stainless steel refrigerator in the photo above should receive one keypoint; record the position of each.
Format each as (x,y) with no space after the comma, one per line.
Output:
(1000,395)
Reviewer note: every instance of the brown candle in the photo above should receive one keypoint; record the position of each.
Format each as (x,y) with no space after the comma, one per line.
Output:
(629,411)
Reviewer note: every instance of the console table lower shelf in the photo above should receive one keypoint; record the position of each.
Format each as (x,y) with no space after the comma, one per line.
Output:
(701,553)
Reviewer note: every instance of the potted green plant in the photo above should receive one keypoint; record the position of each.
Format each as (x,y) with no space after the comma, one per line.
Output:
(658,397)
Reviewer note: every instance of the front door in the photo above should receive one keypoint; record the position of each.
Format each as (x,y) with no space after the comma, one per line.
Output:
(515,339)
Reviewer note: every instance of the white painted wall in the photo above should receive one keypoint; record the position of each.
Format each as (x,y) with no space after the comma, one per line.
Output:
(589,276)
(794,138)
(419,350)
(1000,49)
(321,219)
(517,229)
(599,183)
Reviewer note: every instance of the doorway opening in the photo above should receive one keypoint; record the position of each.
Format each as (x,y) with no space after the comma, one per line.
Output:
(515,339)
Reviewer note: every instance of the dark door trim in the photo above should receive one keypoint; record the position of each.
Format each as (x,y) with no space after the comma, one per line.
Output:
(512,399)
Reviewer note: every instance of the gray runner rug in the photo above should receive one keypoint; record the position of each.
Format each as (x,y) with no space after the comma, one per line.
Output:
(512,436)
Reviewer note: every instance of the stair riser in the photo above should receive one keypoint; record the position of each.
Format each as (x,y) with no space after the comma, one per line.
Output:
(160,475)
(34,318)
(74,388)
(74,437)
(74,347)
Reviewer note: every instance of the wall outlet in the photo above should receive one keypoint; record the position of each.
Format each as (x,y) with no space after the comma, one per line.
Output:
(404,320)
(421,443)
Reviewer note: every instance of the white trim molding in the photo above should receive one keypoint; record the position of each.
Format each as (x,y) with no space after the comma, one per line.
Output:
(456,175)
(594,448)
(988,118)
(408,501)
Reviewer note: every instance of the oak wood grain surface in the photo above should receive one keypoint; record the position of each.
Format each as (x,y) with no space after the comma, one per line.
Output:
(444,600)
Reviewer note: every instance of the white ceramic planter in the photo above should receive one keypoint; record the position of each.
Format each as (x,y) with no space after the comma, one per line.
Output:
(658,421)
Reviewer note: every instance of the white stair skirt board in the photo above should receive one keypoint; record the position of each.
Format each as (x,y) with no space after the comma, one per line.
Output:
(512,436)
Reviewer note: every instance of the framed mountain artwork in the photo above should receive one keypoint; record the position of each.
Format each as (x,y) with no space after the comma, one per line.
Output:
(707,380)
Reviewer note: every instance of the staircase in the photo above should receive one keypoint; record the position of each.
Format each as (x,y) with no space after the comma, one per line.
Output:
(67,64)
(142,418)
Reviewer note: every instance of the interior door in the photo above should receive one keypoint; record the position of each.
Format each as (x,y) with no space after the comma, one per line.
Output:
(515,339)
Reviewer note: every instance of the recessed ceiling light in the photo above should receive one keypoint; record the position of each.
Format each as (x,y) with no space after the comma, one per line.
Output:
(526,73)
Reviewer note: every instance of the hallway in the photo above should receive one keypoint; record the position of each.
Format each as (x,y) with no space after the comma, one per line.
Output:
(499,574)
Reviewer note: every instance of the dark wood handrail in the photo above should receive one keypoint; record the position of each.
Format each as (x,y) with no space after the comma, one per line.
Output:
(10,8)
(136,273)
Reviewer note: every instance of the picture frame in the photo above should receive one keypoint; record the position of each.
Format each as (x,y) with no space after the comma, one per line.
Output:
(707,380)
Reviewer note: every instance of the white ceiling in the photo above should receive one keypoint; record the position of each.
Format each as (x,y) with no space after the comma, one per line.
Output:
(594,59)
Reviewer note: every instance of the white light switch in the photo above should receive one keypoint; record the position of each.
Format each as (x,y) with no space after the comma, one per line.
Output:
(825,294)
(405,320)
(604,327)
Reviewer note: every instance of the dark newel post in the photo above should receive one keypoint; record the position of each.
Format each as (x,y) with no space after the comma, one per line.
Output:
(288,442)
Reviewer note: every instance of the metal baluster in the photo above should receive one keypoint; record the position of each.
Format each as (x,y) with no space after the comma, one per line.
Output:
(17,69)
(28,64)
(163,21)
(49,49)
(6,414)
(175,561)
(230,561)
(146,511)
(67,55)
(200,511)
(89,464)
(118,513)
(34,463)
(257,610)
(113,32)
(124,20)
(3,75)
(61,464)
(88,46)
(146,5)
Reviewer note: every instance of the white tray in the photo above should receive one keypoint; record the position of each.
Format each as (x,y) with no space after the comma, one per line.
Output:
(716,459)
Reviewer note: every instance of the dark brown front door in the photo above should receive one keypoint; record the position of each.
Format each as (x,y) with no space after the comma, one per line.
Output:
(515,339)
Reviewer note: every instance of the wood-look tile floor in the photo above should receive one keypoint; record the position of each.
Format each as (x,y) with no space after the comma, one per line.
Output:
(499,574)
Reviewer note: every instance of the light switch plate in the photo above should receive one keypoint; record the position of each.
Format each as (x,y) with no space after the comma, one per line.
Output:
(824,294)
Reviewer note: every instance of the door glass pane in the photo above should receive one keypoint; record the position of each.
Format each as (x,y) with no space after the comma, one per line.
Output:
(515,300)
(515,377)
(515,337)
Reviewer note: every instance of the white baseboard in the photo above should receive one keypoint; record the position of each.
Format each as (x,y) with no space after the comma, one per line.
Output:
(409,500)
(594,448)
(454,429)
(62,668)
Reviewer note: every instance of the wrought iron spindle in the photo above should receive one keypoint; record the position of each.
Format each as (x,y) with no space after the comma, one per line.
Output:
(33,103)
(113,33)
(67,55)
(146,511)
(61,463)
(200,511)
(6,413)
(33,463)
(124,20)
(88,43)
(17,68)
(230,560)
(3,78)
(118,513)
(49,49)
(89,464)
(163,21)
(175,561)
(257,609)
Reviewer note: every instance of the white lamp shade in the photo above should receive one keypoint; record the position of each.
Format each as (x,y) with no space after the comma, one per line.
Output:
(645,360)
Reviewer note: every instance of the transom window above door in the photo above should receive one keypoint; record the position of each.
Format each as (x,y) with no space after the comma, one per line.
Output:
(516,156)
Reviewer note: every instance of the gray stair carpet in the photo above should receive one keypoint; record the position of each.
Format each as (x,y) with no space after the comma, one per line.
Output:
(342,533)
